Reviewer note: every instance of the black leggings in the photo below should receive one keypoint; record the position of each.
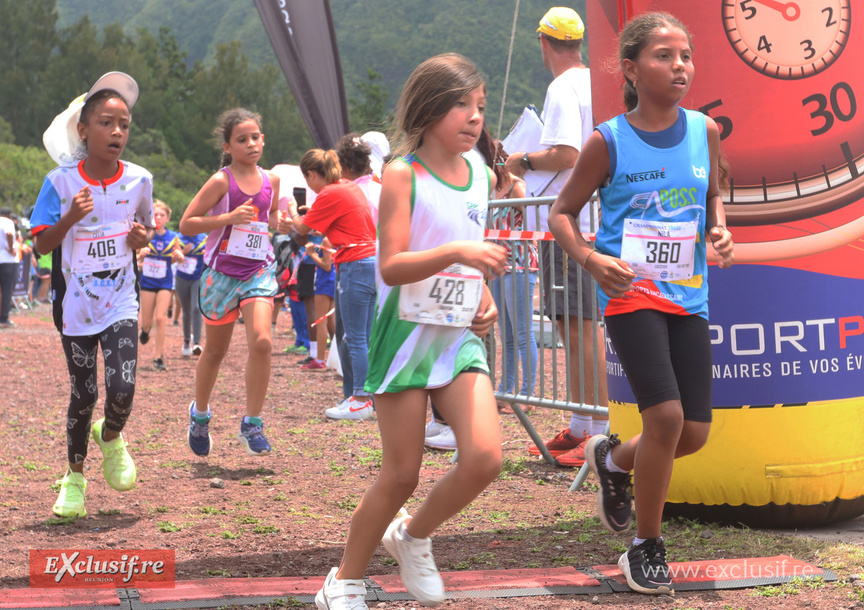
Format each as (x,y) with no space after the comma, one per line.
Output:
(120,352)
(665,357)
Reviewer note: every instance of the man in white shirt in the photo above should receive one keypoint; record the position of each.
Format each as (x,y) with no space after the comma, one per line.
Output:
(8,266)
(567,123)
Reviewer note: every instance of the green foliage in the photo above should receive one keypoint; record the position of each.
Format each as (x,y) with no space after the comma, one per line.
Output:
(190,65)
(22,172)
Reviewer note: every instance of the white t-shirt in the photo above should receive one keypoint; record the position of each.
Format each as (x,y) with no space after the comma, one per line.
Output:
(7,227)
(95,300)
(372,190)
(567,119)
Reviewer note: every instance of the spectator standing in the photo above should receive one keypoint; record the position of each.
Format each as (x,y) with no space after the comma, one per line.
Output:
(567,124)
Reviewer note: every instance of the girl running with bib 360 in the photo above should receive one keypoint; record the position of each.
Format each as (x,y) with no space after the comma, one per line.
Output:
(432,310)
(651,264)
(236,206)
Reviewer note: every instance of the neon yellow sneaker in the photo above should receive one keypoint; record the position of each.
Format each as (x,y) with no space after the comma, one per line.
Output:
(117,464)
(70,502)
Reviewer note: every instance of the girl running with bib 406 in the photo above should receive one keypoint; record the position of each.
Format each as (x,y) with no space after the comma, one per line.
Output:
(432,310)
(651,264)
(236,206)
(93,213)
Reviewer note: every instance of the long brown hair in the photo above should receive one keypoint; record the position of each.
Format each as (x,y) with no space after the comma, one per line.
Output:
(433,88)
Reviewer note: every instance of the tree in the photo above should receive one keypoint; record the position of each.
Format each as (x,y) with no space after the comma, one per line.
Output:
(368,111)
(25,48)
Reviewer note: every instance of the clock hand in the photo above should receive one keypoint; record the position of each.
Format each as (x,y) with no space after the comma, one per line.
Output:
(790,10)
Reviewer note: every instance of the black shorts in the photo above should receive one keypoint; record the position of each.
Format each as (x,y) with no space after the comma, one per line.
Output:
(665,357)
(306,280)
(581,287)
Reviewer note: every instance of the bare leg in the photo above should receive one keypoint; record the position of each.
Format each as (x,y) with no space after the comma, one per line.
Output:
(163,300)
(401,421)
(323,304)
(665,436)
(468,405)
(256,316)
(207,370)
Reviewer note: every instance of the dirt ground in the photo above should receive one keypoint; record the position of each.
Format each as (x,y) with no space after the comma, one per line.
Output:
(287,514)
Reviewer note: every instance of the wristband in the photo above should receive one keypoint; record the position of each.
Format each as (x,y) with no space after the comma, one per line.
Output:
(585,262)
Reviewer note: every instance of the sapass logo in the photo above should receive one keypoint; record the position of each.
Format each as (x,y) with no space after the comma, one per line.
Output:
(102,568)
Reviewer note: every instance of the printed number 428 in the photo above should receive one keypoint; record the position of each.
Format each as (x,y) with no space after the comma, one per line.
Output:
(455,291)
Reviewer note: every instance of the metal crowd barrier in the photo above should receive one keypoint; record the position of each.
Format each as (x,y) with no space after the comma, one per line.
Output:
(546,392)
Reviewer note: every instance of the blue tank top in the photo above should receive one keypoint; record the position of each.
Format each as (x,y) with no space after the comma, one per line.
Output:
(657,184)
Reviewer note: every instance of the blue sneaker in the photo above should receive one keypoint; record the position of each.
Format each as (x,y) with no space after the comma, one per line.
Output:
(199,434)
(252,437)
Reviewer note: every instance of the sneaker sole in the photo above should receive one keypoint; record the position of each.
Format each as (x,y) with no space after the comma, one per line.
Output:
(624,566)
(591,459)
(245,444)
(321,601)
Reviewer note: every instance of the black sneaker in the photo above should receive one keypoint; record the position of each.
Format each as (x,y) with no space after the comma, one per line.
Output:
(306,360)
(144,337)
(645,568)
(159,365)
(613,498)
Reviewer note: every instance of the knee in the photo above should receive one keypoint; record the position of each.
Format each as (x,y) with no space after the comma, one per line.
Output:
(691,442)
(483,467)
(260,346)
(402,482)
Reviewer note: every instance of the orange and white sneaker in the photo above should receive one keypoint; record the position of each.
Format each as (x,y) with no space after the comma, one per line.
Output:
(563,442)
(352,408)
(573,458)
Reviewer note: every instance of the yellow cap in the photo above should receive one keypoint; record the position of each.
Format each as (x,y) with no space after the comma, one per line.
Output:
(562,23)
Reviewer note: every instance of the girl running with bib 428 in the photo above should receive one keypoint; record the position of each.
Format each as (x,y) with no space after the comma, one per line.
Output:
(651,264)
(93,213)
(432,310)
(236,206)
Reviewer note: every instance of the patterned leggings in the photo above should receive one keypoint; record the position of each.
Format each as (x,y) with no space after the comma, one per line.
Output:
(120,353)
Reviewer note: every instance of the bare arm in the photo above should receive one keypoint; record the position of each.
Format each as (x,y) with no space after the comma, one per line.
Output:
(195,219)
(398,264)
(612,274)
(715,215)
(554,159)
(82,204)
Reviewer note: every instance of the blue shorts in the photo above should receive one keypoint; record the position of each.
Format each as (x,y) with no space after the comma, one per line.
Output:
(325,282)
(220,296)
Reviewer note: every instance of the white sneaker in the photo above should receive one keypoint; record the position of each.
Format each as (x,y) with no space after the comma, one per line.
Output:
(352,409)
(416,564)
(341,594)
(444,440)
(434,427)
(186,350)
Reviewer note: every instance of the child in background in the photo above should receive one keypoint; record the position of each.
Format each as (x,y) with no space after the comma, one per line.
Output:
(186,285)
(157,280)
(432,219)
(325,291)
(295,305)
(658,325)
(93,213)
(235,207)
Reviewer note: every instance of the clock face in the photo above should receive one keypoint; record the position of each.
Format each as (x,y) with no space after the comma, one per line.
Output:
(787,40)
(793,137)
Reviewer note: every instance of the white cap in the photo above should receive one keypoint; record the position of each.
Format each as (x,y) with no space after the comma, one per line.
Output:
(61,139)
(380,147)
(120,82)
